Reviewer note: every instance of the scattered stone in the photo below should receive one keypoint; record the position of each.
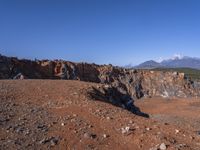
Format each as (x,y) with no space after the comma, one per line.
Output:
(53,140)
(192,137)
(89,135)
(148,129)
(125,130)
(86,135)
(19,129)
(176,131)
(75,131)
(153,148)
(108,118)
(131,122)
(42,128)
(73,120)
(43,141)
(180,146)
(163,146)
(106,86)
(105,135)
(74,115)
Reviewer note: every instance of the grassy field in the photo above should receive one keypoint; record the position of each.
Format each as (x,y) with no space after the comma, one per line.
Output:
(194,74)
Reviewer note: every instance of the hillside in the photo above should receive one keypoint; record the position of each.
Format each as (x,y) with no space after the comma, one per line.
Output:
(194,74)
(122,85)
(55,114)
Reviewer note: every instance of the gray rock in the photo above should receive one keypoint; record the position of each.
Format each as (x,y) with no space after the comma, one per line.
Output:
(53,140)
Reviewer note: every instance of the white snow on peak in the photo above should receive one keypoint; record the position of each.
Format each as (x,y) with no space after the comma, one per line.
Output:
(177,56)
(174,57)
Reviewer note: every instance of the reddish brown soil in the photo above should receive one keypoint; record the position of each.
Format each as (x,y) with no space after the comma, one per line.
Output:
(59,114)
(181,112)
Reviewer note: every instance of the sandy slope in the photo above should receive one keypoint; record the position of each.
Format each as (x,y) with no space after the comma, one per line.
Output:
(59,114)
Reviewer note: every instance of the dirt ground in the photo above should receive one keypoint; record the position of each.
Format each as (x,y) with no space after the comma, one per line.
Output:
(59,114)
(180,112)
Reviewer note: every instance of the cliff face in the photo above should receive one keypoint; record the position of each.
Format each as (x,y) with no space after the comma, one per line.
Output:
(134,84)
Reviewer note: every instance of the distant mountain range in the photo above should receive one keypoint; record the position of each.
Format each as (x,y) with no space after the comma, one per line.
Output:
(176,62)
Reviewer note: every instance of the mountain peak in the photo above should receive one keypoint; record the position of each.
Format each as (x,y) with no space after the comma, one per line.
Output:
(177,57)
(148,65)
(177,61)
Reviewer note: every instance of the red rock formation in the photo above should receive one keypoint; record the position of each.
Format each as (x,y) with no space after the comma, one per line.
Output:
(135,83)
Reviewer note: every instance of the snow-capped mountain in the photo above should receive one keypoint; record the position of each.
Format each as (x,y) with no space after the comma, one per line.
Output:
(175,62)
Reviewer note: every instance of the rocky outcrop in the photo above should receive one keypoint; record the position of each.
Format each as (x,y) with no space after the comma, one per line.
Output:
(128,82)
(11,66)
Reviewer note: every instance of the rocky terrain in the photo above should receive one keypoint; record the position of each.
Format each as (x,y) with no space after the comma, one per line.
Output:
(58,114)
(93,107)
(133,83)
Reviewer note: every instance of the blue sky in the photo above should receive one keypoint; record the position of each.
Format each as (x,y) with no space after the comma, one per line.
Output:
(101,31)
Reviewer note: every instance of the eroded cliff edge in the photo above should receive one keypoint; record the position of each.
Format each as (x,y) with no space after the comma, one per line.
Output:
(117,82)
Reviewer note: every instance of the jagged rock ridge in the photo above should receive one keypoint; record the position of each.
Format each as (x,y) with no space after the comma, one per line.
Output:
(130,83)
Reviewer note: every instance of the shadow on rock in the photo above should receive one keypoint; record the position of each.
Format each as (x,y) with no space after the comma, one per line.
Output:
(116,97)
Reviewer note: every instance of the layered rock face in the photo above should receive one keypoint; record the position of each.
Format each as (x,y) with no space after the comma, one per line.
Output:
(124,83)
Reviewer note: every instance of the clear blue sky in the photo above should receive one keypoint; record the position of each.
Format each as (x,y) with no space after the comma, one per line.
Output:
(100,31)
